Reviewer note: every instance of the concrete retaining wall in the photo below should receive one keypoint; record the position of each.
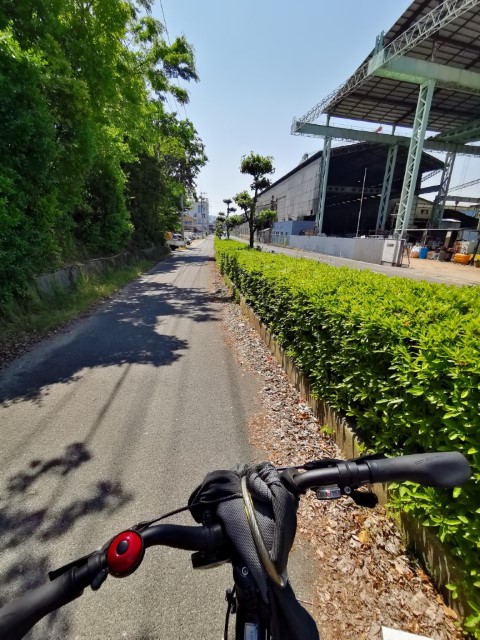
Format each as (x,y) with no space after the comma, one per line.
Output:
(364,249)
(66,278)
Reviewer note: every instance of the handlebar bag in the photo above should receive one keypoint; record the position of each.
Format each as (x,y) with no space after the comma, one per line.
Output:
(275,510)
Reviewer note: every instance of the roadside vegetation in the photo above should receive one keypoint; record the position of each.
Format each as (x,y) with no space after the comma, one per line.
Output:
(29,319)
(91,160)
(401,358)
(258,168)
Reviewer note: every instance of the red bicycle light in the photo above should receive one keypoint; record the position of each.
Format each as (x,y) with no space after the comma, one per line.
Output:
(125,553)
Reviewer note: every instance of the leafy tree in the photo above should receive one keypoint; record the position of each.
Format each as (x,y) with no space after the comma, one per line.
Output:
(90,161)
(265,218)
(232,222)
(104,223)
(228,202)
(245,202)
(156,184)
(27,151)
(258,167)
(237,220)
(220,225)
(228,226)
(182,153)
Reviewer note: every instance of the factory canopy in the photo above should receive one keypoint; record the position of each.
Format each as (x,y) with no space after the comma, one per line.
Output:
(448,38)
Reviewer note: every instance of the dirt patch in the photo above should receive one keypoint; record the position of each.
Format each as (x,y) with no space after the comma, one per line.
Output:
(364,577)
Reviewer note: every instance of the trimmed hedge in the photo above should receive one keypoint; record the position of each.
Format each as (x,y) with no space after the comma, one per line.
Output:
(401,357)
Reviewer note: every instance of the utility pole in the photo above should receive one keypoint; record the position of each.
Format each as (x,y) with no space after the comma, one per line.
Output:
(202,212)
(181,217)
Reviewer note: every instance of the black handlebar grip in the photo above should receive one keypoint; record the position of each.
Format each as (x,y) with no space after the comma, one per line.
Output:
(442,469)
(20,615)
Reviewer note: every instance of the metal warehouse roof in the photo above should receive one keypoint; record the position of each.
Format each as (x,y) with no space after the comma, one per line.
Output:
(456,43)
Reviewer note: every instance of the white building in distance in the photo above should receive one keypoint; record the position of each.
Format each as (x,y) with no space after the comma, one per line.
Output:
(200,214)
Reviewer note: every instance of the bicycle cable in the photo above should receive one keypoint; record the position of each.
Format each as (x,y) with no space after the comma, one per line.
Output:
(140,526)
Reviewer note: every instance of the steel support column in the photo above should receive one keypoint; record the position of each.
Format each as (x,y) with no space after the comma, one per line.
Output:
(441,197)
(322,191)
(414,156)
(387,187)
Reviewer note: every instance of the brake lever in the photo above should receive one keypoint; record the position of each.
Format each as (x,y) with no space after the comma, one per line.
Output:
(320,464)
(95,564)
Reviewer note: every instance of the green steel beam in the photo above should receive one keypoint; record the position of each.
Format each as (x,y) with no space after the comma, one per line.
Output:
(356,135)
(468,132)
(432,189)
(322,191)
(406,69)
(387,186)
(414,157)
(440,199)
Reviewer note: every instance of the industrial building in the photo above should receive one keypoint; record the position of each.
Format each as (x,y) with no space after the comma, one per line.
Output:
(417,91)
(353,192)
(422,76)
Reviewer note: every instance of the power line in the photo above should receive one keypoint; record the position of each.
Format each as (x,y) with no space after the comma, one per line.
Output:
(165,22)
(465,185)
(168,102)
(169,44)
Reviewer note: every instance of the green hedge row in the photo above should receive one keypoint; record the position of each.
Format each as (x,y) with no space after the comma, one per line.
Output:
(402,358)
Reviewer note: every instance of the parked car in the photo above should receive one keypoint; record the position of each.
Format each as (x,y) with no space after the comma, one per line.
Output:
(174,240)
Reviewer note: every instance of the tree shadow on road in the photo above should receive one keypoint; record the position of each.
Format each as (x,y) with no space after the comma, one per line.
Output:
(128,329)
(75,455)
(34,514)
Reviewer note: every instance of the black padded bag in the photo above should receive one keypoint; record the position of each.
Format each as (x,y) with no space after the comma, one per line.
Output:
(276,513)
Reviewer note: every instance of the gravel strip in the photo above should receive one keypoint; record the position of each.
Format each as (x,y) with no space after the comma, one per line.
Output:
(366,579)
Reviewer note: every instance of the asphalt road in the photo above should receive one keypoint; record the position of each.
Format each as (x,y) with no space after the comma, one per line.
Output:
(112,422)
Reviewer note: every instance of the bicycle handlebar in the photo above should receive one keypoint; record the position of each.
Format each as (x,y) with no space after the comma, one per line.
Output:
(443,469)
(123,554)
(68,583)
(20,615)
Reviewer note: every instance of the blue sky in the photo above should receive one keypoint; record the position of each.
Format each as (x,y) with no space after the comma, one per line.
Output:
(263,62)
